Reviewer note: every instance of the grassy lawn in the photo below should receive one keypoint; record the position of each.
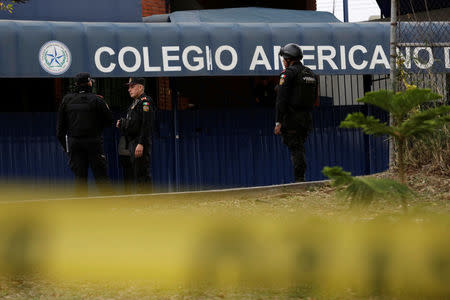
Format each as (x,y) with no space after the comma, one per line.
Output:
(295,242)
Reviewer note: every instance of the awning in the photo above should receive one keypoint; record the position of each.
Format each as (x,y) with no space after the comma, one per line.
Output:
(62,49)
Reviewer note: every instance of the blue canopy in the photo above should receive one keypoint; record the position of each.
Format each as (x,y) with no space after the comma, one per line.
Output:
(62,49)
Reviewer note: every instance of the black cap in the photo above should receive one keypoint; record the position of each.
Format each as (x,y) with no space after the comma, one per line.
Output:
(136,80)
(83,78)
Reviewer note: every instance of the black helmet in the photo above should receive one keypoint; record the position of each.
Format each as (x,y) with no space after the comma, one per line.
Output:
(291,51)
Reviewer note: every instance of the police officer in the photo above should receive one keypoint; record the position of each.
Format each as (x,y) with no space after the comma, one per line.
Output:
(82,117)
(137,127)
(292,123)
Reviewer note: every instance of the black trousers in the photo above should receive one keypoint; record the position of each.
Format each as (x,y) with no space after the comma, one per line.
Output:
(127,173)
(141,167)
(85,153)
(295,141)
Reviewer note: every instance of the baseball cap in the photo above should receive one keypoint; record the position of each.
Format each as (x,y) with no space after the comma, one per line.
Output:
(136,80)
(83,78)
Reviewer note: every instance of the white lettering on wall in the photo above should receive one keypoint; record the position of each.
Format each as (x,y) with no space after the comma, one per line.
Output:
(447,57)
(406,57)
(166,58)
(351,57)
(200,63)
(99,65)
(137,59)
(209,65)
(343,58)
(234,58)
(256,60)
(379,57)
(321,56)
(277,59)
(147,67)
(193,58)
(418,60)
(308,56)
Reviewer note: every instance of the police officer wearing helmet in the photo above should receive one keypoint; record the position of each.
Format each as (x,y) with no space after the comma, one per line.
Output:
(136,128)
(82,117)
(292,122)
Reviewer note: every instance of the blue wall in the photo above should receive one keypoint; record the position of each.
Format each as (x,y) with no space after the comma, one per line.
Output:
(216,148)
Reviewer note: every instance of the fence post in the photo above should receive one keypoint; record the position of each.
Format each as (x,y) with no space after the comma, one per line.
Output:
(393,66)
(176,132)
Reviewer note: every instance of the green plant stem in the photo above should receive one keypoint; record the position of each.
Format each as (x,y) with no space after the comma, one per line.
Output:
(401,159)
(401,169)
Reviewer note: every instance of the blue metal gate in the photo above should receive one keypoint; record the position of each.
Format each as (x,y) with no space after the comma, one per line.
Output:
(214,148)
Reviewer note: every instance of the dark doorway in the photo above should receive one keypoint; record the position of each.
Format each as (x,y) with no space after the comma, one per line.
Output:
(31,94)
(45,94)
(177,5)
(227,91)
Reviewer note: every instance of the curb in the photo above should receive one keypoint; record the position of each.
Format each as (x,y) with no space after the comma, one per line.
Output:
(289,187)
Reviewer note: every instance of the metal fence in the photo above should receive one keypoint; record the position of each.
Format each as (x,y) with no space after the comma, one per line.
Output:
(423,30)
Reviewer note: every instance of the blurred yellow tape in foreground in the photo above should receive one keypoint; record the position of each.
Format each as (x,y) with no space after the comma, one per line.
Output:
(172,247)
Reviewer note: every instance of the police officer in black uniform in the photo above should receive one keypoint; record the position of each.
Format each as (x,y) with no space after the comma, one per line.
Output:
(292,123)
(82,117)
(137,127)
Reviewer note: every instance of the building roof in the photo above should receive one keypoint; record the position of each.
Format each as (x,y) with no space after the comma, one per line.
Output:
(245,15)
(76,11)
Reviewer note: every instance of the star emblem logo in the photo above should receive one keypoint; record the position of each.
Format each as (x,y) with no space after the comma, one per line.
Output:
(55,57)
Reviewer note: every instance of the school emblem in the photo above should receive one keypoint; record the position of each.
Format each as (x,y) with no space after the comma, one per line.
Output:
(55,57)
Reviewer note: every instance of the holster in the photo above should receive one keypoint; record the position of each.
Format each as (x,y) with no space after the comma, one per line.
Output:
(122,148)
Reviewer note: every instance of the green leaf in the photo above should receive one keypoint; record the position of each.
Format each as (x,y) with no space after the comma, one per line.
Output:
(425,122)
(338,175)
(364,190)
(368,124)
(405,101)
(401,103)
(381,99)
